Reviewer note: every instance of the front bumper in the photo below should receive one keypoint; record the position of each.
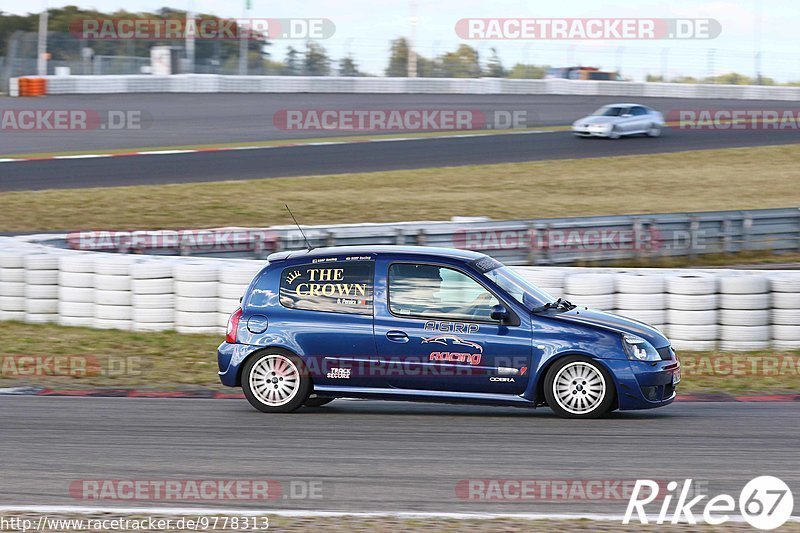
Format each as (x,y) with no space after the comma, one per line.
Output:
(591,130)
(645,384)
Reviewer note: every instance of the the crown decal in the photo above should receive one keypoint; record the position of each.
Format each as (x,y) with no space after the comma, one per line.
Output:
(293,276)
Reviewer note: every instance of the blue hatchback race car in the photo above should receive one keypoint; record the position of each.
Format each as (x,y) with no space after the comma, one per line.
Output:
(433,324)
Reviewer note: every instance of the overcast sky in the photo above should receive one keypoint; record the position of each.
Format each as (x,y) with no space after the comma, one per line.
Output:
(364,28)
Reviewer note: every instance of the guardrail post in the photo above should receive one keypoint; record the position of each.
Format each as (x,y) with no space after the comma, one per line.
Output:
(422,238)
(399,237)
(258,246)
(747,232)
(330,238)
(543,235)
(694,236)
(185,248)
(279,246)
(533,239)
(638,238)
(727,237)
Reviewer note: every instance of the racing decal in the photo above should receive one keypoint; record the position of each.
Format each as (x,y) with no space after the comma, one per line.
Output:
(454,357)
(341,287)
(454,327)
(338,373)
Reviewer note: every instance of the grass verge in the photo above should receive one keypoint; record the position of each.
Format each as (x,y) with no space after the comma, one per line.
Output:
(739,178)
(168,360)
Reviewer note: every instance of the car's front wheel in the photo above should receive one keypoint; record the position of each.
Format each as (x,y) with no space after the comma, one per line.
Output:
(275,382)
(654,131)
(578,387)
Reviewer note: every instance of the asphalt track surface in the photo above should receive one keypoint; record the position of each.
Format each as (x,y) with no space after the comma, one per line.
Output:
(359,157)
(191,119)
(383,456)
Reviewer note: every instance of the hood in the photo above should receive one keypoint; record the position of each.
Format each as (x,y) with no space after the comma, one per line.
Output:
(597,119)
(614,322)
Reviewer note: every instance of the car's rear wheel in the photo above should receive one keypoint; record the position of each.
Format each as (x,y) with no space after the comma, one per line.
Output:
(654,131)
(319,401)
(275,382)
(578,387)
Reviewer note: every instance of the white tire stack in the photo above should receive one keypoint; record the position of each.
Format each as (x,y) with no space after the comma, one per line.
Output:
(153,297)
(744,312)
(196,297)
(76,289)
(113,300)
(233,281)
(785,319)
(595,291)
(548,279)
(691,302)
(41,288)
(641,297)
(12,284)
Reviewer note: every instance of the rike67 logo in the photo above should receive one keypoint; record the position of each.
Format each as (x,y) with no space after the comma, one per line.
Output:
(765,503)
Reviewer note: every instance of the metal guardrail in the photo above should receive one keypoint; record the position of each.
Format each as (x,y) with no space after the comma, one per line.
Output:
(213,83)
(548,241)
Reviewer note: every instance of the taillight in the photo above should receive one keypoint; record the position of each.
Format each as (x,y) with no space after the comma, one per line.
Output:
(233,326)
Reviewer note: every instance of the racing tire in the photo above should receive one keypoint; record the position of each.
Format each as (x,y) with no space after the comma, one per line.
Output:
(275,382)
(319,401)
(578,387)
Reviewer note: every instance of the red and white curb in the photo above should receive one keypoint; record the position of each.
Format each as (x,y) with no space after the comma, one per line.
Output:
(257,147)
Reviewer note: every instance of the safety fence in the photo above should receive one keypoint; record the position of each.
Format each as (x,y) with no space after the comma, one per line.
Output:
(698,309)
(550,241)
(213,83)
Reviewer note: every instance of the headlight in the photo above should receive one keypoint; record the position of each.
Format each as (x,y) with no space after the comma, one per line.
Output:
(639,349)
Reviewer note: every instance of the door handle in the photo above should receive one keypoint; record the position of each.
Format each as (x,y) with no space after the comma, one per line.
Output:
(396,336)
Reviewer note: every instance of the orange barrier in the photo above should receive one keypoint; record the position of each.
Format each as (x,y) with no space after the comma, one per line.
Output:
(32,86)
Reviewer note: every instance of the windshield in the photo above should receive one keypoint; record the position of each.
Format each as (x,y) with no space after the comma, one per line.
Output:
(518,287)
(610,111)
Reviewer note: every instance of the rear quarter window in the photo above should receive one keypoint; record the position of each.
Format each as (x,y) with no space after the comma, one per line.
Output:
(333,287)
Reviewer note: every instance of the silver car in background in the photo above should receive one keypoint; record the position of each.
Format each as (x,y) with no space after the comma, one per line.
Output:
(616,120)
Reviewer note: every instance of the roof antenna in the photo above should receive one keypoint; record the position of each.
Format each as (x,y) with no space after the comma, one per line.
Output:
(308,244)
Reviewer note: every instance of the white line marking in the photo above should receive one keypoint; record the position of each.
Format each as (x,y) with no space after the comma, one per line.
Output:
(82,156)
(166,152)
(326,514)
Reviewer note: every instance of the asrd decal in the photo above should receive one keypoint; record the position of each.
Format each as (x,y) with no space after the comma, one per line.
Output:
(765,502)
(451,327)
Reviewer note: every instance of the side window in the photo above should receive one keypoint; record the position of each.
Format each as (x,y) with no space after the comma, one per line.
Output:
(432,291)
(334,287)
(638,111)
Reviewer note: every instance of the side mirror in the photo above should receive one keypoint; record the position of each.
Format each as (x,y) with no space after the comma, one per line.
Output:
(500,313)
(627,115)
